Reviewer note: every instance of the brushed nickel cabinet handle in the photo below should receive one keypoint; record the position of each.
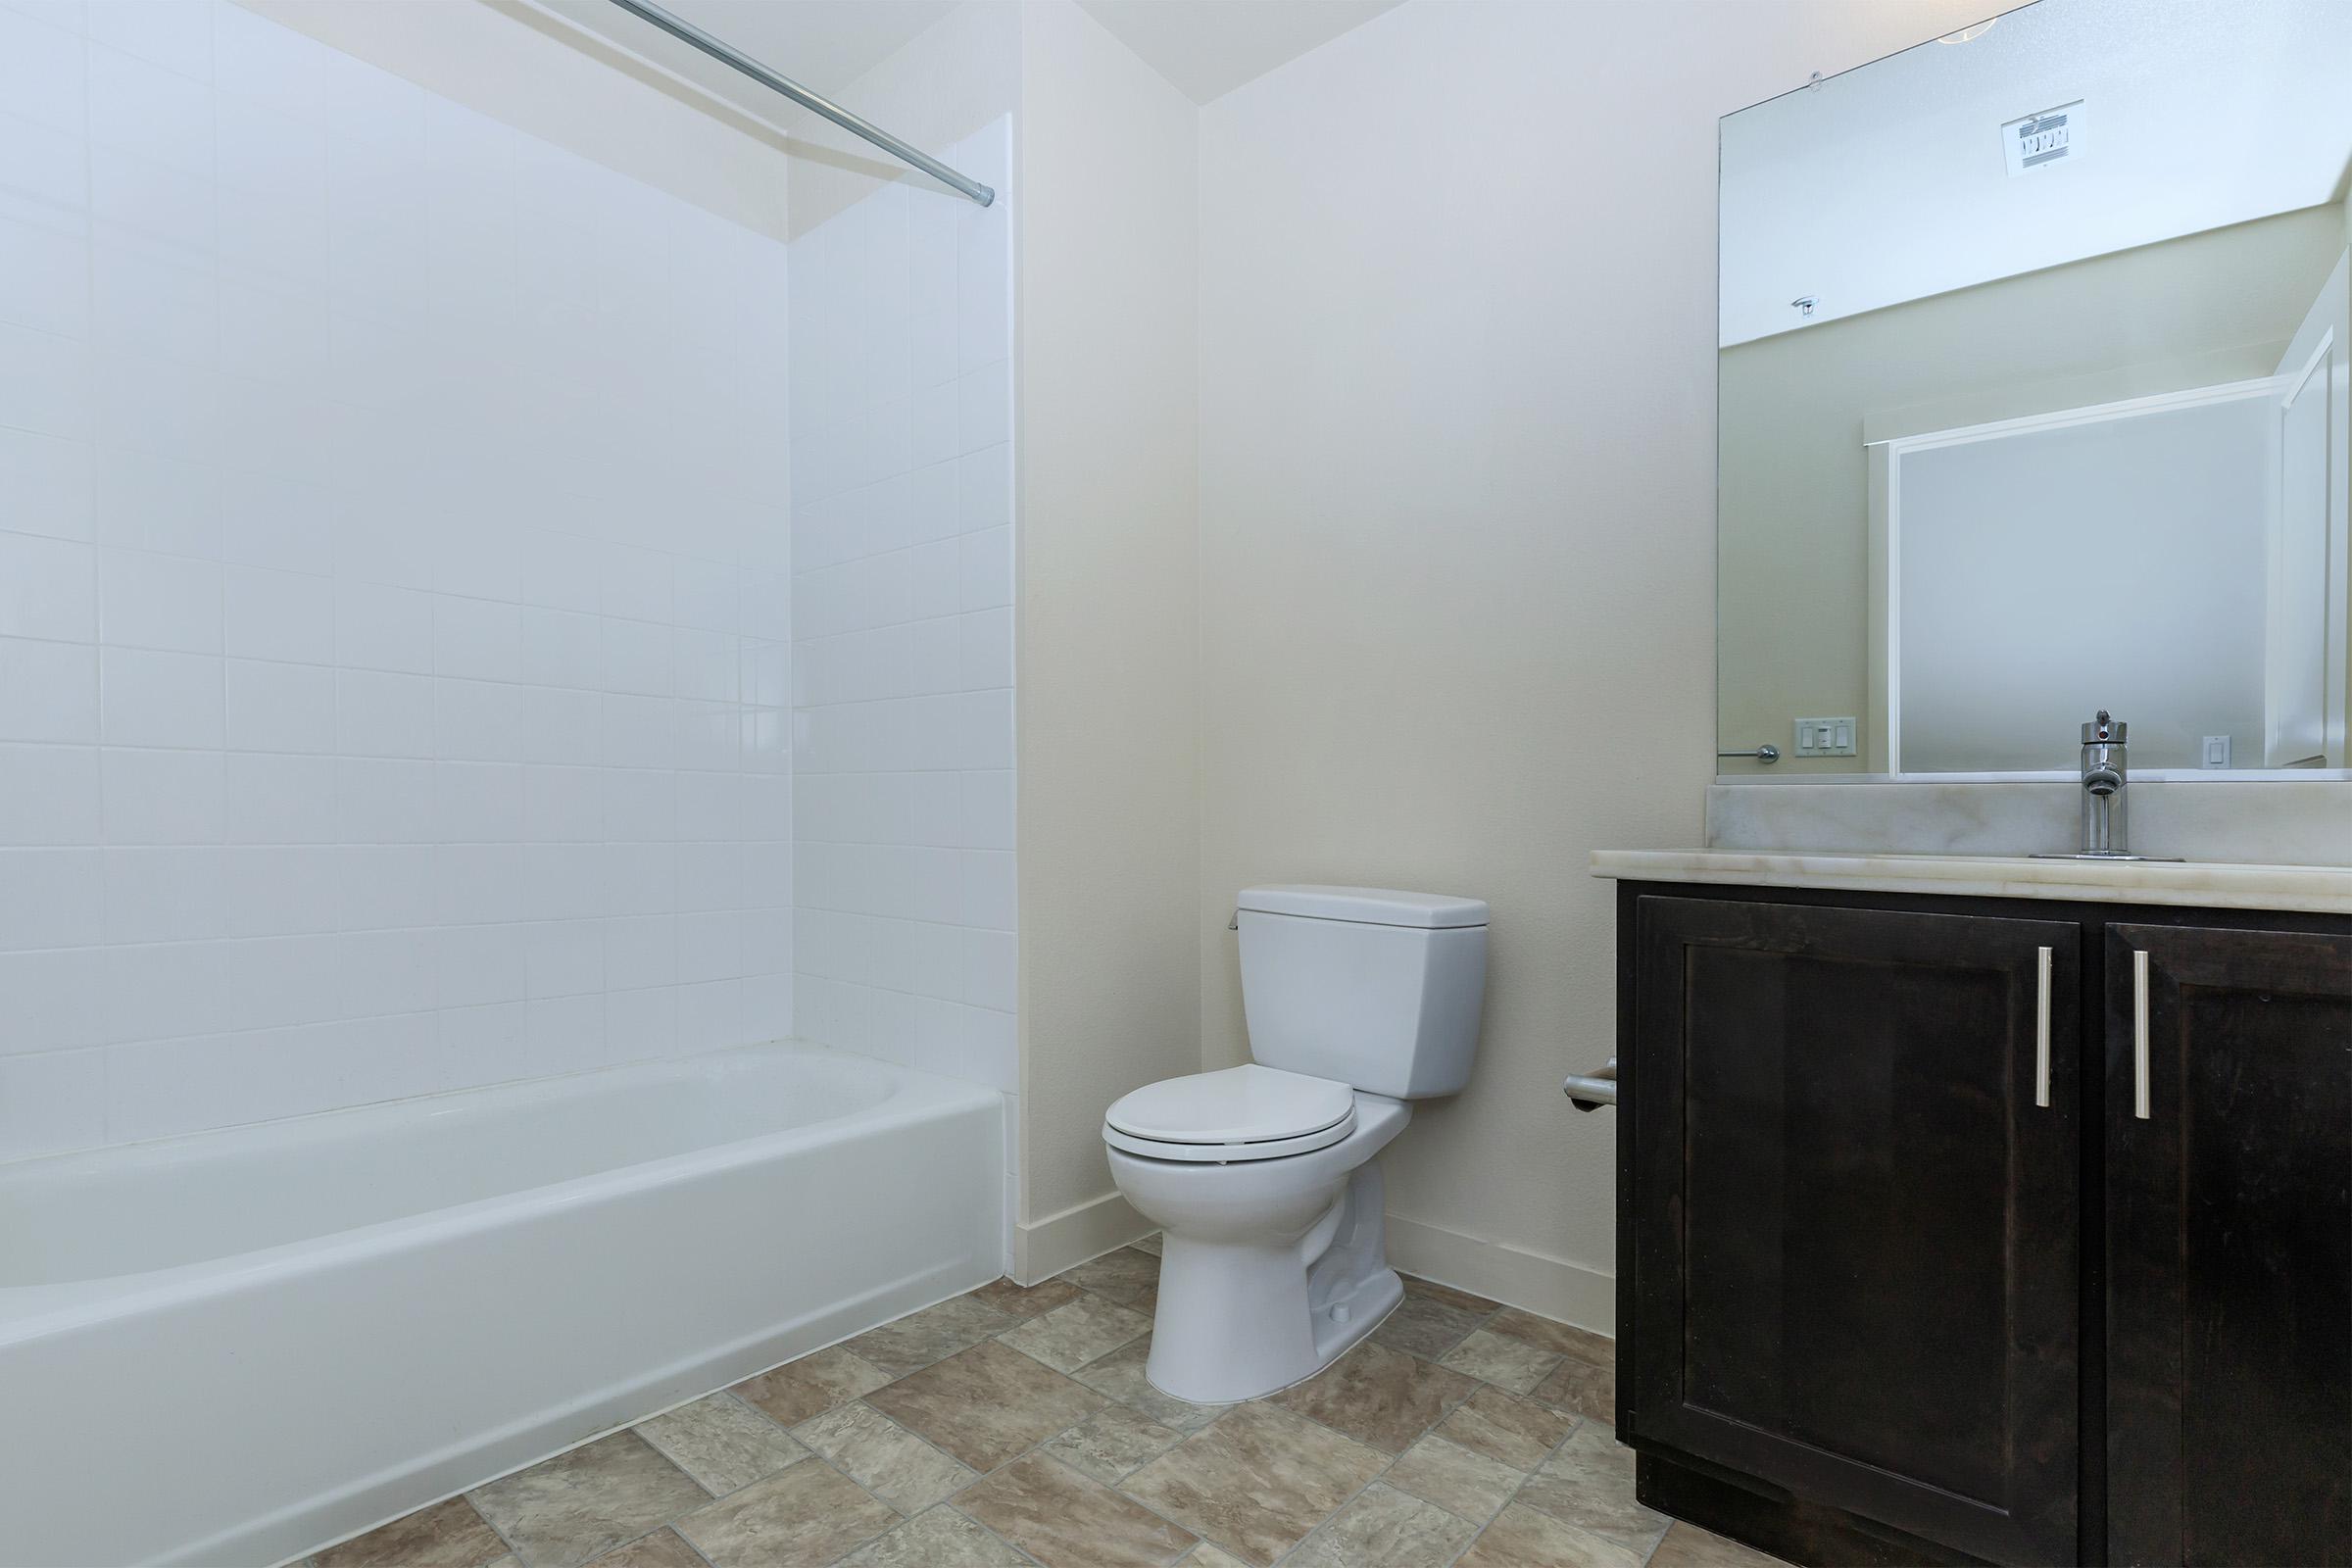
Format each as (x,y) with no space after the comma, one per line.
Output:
(2139,1034)
(2041,1027)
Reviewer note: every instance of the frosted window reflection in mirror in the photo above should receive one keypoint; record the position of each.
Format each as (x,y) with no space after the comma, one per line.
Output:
(2036,399)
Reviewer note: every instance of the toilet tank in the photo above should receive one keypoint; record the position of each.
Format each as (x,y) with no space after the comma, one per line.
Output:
(1376,989)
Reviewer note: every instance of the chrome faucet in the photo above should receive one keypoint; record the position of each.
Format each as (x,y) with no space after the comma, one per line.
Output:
(2106,832)
(2105,824)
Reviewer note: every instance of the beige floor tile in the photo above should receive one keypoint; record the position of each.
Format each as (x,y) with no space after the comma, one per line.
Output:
(1065,1520)
(1505,1427)
(1501,1361)
(1523,1538)
(1579,1387)
(1688,1546)
(447,1535)
(1257,1481)
(1447,1295)
(1024,1301)
(1111,1445)
(1120,1375)
(934,1334)
(1589,1484)
(722,1442)
(1378,1395)
(805,1517)
(1427,1326)
(884,1458)
(1206,1555)
(1384,1528)
(663,1548)
(987,1404)
(1085,1329)
(1561,1339)
(1125,1276)
(579,1505)
(814,1383)
(1460,1482)
(939,1538)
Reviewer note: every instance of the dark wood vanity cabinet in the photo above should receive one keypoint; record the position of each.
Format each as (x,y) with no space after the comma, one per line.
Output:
(2229,1195)
(1905,1278)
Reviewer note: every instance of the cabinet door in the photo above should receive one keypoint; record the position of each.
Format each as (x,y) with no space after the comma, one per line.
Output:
(1855,1262)
(2229,1246)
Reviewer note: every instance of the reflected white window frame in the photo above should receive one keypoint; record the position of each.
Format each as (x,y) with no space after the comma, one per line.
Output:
(1883,751)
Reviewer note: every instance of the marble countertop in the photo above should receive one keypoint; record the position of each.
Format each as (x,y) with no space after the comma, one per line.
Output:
(2209,885)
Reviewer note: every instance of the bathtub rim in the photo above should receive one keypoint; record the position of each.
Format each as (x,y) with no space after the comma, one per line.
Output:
(31,1312)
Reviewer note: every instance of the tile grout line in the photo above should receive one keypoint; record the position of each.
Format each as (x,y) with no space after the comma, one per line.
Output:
(1294,1547)
(1574,1427)
(1287,1552)
(1037,1450)
(491,1525)
(1422,1436)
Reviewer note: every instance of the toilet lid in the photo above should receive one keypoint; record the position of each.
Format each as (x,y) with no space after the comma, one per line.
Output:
(1247,1112)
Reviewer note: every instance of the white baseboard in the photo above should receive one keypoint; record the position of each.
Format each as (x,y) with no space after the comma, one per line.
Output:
(1550,1287)
(1044,1249)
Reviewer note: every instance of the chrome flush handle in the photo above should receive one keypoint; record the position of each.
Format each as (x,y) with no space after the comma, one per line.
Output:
(1589,1090)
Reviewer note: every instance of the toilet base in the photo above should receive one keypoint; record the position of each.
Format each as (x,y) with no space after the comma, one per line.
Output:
(1241,1320)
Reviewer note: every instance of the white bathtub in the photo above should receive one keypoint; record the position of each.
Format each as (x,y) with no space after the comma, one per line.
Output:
(236,1346)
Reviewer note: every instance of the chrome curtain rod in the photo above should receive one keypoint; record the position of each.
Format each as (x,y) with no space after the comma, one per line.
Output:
(734,59)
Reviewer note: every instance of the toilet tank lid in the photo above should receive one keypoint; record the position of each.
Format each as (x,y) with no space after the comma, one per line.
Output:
(1365,906)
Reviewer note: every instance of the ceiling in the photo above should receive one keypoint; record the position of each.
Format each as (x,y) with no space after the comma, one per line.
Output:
(822,44)
(1208,47)
(1888,183)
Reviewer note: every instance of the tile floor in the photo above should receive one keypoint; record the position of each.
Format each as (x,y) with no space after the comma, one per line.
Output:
(1012,1426)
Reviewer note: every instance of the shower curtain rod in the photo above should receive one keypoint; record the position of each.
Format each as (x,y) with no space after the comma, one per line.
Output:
(726,55)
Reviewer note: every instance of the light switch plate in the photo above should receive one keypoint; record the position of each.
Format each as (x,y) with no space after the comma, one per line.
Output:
(1825,737)
(2217,751)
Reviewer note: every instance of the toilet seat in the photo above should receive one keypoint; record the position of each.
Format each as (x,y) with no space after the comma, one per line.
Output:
(1241,1113)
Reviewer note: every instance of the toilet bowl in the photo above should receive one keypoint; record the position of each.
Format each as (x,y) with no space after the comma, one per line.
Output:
(1264,1178)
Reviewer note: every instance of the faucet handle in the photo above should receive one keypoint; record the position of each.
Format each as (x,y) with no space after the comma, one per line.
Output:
(2104,730)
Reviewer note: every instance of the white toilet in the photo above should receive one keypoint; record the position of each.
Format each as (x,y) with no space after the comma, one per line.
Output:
(1262,1177)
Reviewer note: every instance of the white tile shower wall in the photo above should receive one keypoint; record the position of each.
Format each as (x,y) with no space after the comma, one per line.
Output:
(903,565)
(395,592)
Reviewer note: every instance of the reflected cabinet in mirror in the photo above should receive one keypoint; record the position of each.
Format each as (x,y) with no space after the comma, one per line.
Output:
(2035,358)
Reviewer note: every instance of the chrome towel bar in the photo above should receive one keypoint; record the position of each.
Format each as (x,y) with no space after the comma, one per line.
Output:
(1762,754)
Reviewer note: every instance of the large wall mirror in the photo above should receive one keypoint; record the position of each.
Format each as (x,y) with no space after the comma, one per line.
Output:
(2035,358)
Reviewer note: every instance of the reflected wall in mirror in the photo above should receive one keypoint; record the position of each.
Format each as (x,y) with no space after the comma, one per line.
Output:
(2035,361)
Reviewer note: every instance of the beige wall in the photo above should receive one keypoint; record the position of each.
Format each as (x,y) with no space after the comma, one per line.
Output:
(503,58)
(2191,312)
(1457,528)
(1108,413)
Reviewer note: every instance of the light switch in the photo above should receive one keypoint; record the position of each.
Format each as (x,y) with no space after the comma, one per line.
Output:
(1825,737)
(2217,751)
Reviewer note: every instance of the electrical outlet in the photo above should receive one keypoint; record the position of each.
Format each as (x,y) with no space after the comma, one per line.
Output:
(1825,737)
